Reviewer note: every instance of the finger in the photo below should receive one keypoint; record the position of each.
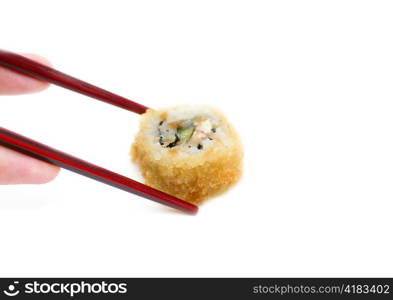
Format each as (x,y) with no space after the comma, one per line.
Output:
(13,83)
(16,168)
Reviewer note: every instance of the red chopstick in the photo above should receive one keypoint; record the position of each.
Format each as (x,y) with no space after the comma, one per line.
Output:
(37,150)
(39,71)
(40,151)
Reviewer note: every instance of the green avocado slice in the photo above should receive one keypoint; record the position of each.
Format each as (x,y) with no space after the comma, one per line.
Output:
(184,134)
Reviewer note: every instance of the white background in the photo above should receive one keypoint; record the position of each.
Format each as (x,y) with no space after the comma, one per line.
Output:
(307,84)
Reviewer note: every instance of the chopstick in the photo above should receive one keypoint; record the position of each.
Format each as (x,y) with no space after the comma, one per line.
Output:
(39,71)
(40,151)
(45,153)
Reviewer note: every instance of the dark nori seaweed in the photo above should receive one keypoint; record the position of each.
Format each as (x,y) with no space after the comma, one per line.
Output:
(174,143)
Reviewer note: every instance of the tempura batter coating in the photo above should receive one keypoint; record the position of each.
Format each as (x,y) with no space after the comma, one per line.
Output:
(191,152)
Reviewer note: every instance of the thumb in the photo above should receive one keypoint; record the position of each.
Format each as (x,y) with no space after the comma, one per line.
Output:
(16,168)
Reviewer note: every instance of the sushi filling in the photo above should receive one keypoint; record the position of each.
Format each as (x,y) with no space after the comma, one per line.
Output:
(194,133)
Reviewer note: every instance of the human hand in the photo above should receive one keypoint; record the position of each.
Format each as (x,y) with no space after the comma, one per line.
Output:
(16,168)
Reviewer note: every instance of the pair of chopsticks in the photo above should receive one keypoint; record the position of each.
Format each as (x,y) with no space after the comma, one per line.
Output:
(40,151)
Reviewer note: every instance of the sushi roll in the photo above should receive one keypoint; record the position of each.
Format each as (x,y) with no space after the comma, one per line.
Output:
(189,151)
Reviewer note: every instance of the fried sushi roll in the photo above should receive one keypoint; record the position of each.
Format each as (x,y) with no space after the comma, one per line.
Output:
(190,151)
